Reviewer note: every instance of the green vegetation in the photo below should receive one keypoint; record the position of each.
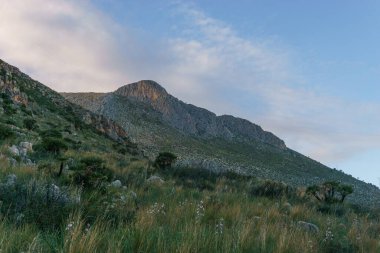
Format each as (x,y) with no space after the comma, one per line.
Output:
(64,187)
(330,191)
(165,160)
(54,215)
(91,172)
(5,132)
(30,124)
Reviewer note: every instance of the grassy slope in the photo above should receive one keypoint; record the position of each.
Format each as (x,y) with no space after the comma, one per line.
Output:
(147,128)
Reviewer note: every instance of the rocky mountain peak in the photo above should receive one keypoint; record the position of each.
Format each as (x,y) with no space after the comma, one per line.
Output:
(145,90)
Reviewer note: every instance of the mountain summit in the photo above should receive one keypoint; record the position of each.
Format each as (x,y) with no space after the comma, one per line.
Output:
(145,90)
(192,120)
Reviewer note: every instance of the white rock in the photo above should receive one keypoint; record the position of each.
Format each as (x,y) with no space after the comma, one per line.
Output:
(155,179)
(310,227)
(14,150)
(116,184)
(26,145)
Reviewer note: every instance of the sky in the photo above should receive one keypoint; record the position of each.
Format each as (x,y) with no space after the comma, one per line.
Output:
(308,71)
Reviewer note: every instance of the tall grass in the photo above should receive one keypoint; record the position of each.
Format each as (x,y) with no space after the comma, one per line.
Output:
(181,215)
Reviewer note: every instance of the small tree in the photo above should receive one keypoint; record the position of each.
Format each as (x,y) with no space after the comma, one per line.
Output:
(344,191)
(327,192)
(53,145)
(91,172)
(164,160)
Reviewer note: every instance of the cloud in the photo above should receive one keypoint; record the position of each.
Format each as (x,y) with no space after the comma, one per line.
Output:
(68,45)
(72,46)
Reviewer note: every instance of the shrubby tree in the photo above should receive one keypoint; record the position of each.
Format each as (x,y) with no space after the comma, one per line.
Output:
(53,145)
(330,191)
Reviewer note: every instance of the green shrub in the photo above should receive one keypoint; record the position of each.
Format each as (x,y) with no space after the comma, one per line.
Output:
(30,124)
(91,172)
(53,145)
(40,203)
(164,160)
(5,132)
(271,189)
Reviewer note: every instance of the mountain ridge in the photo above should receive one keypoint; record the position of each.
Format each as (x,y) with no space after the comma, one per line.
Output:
(191,119)
(157,121)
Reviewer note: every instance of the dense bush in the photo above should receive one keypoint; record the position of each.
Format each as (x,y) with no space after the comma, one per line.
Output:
(53,145)
(271,189)
(91,172)
(35,202)
(30,124)
(164,160)
(5,132)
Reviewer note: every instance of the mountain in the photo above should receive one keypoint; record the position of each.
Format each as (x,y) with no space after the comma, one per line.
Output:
(156,121)
(26,100)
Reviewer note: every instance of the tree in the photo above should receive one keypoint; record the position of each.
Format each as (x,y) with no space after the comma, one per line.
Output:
(344,191)
(327,192)
(314,190)
(329,189)
(53,145)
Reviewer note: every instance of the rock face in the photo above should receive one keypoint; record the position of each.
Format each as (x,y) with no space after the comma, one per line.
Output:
(19,92)
(193,120)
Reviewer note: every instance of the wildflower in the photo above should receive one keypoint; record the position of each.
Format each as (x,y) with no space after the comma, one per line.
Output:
(87,229)
(329,236)
(220,226)
(70,226)
(157,209)
(200,211)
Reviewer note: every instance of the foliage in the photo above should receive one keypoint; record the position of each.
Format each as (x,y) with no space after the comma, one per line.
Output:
(269,188)
(40,203)
(164,160)
(51,133)
(330,191)
(91,172)
(30,124)
(5,132)
(53,145)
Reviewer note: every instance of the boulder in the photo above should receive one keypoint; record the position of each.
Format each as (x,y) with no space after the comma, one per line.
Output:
(309,227)
(116,184)
(26,145)
(14,150)
(155,180)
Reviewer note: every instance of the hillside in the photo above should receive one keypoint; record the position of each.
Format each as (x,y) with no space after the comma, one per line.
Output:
(157,121)
(73,181)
